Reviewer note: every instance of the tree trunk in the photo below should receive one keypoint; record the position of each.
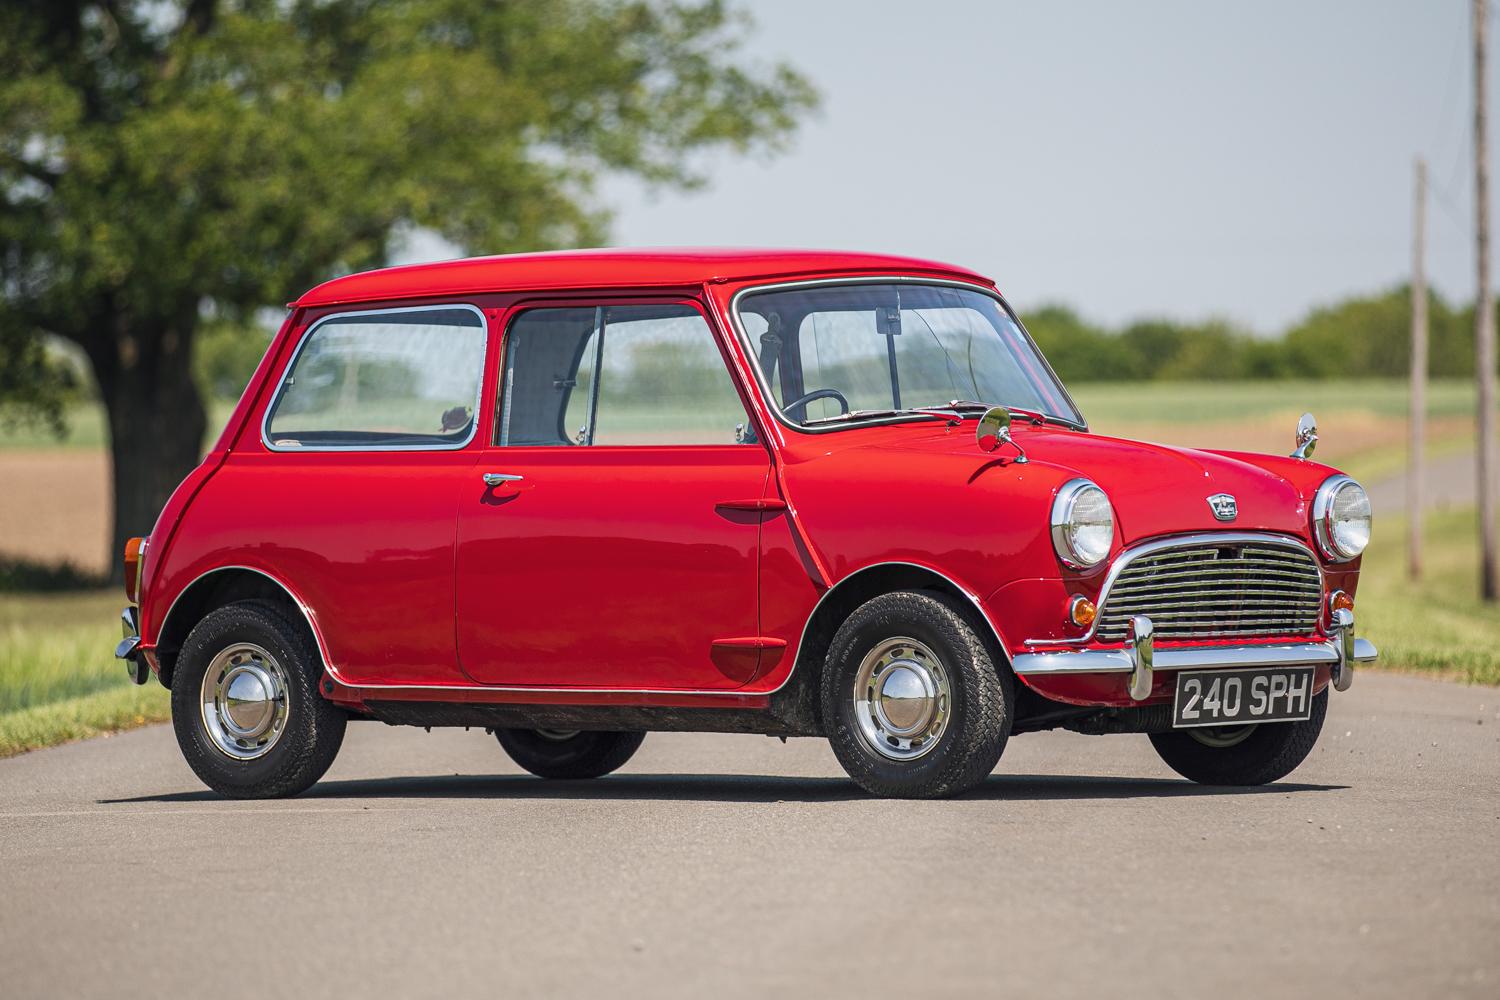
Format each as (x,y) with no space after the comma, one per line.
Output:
(156,422)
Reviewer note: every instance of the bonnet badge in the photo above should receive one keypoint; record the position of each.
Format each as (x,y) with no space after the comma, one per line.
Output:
(1224,506)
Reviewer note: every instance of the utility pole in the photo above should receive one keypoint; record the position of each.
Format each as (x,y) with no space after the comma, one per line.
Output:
(1417,421)
(1484,314)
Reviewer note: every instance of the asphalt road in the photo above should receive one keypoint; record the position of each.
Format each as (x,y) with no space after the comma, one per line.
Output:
(725,866)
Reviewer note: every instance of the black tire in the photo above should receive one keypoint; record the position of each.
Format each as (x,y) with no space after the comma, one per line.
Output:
(979,711)
(1271,752)
(548,754)
(313,729)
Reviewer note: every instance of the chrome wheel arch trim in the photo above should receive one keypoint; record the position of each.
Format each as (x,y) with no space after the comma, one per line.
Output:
(1130,554)
(310,616)
(970,595)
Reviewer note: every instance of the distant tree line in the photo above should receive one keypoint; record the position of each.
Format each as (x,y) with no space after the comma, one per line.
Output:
(1363,336)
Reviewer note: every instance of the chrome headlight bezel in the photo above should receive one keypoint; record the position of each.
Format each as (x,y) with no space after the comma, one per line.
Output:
(1065,527)
(1325,528)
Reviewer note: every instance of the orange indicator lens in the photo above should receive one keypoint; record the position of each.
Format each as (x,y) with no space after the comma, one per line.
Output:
(1081,611)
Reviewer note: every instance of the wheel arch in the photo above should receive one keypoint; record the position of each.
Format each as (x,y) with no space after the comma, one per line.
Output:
(871,581)
(216,588)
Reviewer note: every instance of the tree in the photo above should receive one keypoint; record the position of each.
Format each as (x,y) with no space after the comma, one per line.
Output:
(161,163)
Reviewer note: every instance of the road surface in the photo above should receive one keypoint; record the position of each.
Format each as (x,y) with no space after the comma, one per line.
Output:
(729,866)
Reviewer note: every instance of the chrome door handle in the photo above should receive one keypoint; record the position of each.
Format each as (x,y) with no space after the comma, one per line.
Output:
(496,478)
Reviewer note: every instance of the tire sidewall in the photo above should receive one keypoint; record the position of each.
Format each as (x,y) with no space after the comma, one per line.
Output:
(311,723)
(979,721)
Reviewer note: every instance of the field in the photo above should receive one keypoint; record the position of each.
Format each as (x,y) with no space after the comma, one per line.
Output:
(59,680)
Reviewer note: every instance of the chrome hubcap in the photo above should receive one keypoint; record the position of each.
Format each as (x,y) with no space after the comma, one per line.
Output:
(902,699)
(557,735)
(1222,736)
(244,701)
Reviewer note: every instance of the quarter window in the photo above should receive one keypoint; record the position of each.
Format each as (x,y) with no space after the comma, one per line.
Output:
(617,375)
(389,379)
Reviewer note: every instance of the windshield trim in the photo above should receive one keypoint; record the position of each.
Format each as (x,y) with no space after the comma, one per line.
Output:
(752,356)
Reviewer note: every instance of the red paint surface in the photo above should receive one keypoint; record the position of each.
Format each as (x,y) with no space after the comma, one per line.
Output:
(640,575)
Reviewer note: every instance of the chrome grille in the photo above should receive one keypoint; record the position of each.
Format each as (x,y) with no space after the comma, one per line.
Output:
(1216,591)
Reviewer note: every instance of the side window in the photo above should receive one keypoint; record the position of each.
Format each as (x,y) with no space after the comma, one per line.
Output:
(396,378)
(617,375)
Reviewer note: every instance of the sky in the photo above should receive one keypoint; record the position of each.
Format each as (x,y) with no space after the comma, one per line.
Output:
(1244,161)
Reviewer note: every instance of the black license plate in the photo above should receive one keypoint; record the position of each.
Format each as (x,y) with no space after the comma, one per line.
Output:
(1236,697)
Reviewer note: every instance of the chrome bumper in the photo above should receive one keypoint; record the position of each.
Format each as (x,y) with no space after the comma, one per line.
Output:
(1140,658)
(135,663)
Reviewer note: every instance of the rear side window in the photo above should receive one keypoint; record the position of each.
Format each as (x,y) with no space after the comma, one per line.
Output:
(392,378)
(617,375)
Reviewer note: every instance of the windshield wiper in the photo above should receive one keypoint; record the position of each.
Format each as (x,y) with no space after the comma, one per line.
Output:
(1036,417)
(939,413)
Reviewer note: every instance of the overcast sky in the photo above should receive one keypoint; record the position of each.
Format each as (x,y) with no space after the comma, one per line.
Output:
(1189,159)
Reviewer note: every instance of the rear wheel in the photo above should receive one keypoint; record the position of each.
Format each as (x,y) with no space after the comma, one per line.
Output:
(246,707)
(569,753)
(1242,755)
(914,704)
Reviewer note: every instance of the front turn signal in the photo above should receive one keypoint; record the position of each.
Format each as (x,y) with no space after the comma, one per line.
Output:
(135,559)
(1082,612)
(1339,601)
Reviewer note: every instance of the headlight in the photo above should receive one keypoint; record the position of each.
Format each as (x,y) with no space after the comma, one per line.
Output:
(1083,524)
(1341,518)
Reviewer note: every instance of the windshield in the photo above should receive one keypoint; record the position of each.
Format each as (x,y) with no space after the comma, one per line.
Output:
(830,351)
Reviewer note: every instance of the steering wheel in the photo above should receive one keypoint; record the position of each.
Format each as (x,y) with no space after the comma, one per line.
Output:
(816,394)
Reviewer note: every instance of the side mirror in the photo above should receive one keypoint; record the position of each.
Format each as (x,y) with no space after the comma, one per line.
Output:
(1307,436)
(994,430)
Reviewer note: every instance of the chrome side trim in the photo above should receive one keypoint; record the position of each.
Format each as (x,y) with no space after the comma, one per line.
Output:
(1120,661)
(265,417)
(310,616)
(1127,556)
(753,356)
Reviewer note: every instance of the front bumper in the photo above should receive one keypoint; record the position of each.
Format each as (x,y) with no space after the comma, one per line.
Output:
(1140,658)
(128,648)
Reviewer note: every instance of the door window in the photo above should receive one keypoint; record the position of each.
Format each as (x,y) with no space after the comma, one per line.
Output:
(617,375)
(393,378)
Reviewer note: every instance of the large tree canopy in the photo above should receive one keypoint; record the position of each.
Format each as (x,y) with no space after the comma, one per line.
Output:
(161,161)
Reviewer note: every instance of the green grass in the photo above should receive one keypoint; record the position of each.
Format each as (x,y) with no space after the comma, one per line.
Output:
(85,429)
(1438,625)
(59,679)
(1198,402)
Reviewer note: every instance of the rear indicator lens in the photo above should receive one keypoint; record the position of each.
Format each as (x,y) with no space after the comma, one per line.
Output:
(135,560)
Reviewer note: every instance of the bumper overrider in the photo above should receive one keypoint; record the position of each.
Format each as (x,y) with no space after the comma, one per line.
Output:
(129,649)
(1139,657)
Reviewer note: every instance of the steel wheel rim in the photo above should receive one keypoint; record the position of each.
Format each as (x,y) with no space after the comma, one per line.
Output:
(1223,736)
(903,699)
(244,702)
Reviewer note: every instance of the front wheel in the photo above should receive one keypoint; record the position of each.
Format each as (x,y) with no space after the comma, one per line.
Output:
(1254,754)
(246,707)
(569,753)
(914,704)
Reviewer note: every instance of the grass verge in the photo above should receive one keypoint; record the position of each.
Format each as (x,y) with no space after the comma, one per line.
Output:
(1438,625)
(59,679)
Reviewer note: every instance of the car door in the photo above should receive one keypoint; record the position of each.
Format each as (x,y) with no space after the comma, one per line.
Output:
(605,541)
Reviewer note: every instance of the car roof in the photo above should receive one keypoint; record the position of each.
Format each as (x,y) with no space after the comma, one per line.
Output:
(611,268)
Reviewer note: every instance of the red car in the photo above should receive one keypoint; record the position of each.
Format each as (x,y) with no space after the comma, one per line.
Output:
(573,497)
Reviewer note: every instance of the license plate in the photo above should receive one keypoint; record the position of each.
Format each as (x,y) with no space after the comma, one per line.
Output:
(1236,697)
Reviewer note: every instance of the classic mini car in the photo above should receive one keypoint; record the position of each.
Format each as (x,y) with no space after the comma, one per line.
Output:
(570,498)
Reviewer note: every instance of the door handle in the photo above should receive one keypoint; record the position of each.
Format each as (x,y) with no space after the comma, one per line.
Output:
(496,478)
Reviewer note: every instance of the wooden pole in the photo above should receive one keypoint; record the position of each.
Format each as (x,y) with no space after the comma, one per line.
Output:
(1484,313)
(1418,396)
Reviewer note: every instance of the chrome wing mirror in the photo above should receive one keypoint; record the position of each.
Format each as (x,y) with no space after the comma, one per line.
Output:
(994,430)
(1307,436)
